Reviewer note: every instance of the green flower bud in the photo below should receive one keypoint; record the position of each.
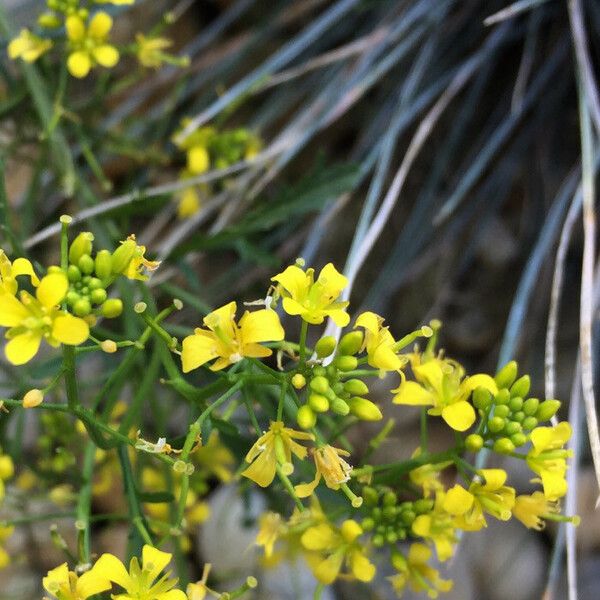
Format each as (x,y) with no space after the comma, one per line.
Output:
(502,397)
(546,410)
(512,427)
(122,256)
(515,404)
(507,374)
(325,346)
(319,384)
(504,446)
(518,416)
(391,537)
(318,403)
(473,442)
(81,246)
(298,381)
(103,264)
(86,264)
(98,296)
(389,499)
(54,269)
(364,409)
(530,406)
(73,274)
(422,506)
(356,387)
(95,284)
(502,411)
(82,307)
(389,513)
(49,21)
(482,398)
(346,363)
(408,516)
(350,343)
(305,417)
(378,540)
(72,297)
(370,496)
(521,387)
(340,407)
(337,388)
(319,370)
(529,423)
(496,424)
(368,524)
(112,308)
(518,439)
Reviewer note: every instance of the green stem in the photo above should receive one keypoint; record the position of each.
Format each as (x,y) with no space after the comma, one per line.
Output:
(281,400)
(84,504)
(302,343)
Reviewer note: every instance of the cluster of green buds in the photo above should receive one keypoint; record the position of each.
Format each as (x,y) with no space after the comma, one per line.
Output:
(51,19)
(389,519)
(332,387)
(509,416)
(58,444)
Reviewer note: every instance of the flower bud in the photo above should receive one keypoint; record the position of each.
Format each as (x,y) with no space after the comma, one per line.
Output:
(325,346)
(73,274)
(521,387)
(98,296)
(512,427)
(80,246)
(370,495)
(305,417)
(345,363)
(103,265)
(318,403)
(82,307)
(368,524)
(482,398)
(389,499)
(518,416)
(473,442)
(319,384)
(547,410)
(53,269)
(502,411)
(515,403)
(502,397)
(530,406)
(340,407)
(108,346)
(504,446)
(350,343)
(86,264)
(529,423)
(112,308)
(496,424)
(355,387)
(298,381)
(72,297)
(49,21)
(364,409)
(507,374)
(518,439)
(122,256)
(33,398)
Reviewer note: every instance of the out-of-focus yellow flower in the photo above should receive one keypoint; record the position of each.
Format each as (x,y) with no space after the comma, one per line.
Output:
(150,50)
(5,533)
(531,510)
(141,582)
(215,458)
(274,448)
(378,342)
(548,459)
(89,45)
(438,527)
(32,319)
(66,585)
(329,547)
(427,476)
(28,46)
(271,528)
(414,571)
(330,466)
(491,496)
(441,383)
(313,300)
(199,589)
(10,271)
(229,342)
(129,259)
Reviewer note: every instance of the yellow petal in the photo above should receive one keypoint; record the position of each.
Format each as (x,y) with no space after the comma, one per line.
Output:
(91,583)
(100,25)
(410,392)
(154,560)
(75,28)
(111,568)
(22,348)
(261,326)
(198,160)
(385,358)
(262,470)
(319,537)
(460,415)
(79,64)
(197,350)
(70,330)
(256,351)
(304,490)
(369,320)
(494,478)
(52,289)
(172,595)
(223,318)
(419,554)
(339,316)
(21,266)
(361,566)
(457,500)
(327,570)
(332,280)
(106,55)
(294,280)
(56,577)
(480,380)
(12,312)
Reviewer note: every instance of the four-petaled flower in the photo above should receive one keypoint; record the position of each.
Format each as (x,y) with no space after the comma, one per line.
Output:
(378,342)
(229,342)
(66,585)
(532,509)
(313,300)
(28,46)
(32,319)
(89,45)
(330,466)
(437,526)
(274,448)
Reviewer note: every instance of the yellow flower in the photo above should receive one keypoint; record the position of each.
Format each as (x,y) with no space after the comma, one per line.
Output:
(140,583)
(229,342)
(313,300)
(89,45)
(491,496)
(271,528)
(66,585)
(150,50)
(274,448)
(548,459)
(331,466)
(198,590)
(5,533)
(28,46)
(441,384)
(531,510)
(427,476)
(329,547)
(189,203)
(32,319)
(10,271)
(437,526)
(215,458)
(378,342)
(198,160)
(129,260)
(415,572)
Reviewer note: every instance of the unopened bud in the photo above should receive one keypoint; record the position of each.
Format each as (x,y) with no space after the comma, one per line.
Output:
(482,398)
(340,407)
(507,374)
(305,417)
(502,397)
(80,246)
(547,409)
(103,264)
(319,384)
(325,346)
(112,308)
(298,381)
(504,446)
(364,409)
(108,346)
(530,406)
(521,387)
(473,442)
(33,398)
(122,256)
(351,343)
(318,403)
(346,363)
(356,387)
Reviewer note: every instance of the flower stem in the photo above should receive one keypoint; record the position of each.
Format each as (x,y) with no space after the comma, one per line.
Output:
(302,344)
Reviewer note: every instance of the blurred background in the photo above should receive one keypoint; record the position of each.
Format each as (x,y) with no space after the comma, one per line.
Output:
(430,148)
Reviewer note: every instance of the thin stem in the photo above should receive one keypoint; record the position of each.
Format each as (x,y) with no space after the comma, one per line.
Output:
(302,344)
(84,504)
(281,400)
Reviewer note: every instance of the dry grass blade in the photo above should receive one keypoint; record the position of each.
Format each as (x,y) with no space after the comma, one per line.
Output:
(512,11)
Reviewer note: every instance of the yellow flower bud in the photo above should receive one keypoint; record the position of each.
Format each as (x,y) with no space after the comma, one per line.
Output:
(33,398)
(364,409)
(80,246)
(108,346)
(325,346)
(306,418)
(351,343)
(298,381)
